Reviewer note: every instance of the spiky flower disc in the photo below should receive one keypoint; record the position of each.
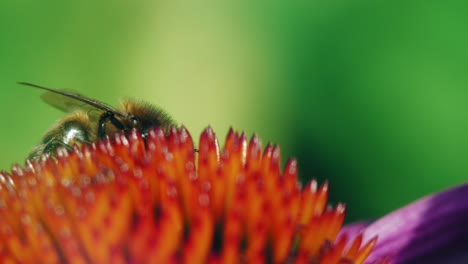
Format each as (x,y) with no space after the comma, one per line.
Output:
(154,200)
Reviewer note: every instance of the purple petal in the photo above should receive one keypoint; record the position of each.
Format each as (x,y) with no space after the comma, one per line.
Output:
(352,230)
(433,229)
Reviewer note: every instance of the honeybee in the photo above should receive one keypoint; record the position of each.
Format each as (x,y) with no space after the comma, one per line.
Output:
(89,120)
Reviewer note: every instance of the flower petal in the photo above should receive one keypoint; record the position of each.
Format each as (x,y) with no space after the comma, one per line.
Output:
(433,229)
(354,229)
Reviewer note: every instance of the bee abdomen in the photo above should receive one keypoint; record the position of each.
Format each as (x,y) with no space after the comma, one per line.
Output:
(74,129)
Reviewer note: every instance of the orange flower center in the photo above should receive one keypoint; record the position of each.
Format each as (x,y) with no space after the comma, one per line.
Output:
(155,200)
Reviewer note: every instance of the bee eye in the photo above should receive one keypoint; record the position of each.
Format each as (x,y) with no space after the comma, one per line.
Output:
(135,121)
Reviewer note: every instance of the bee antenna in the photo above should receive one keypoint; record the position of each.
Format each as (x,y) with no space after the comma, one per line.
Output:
(31,84)
(37,86)
(78,97)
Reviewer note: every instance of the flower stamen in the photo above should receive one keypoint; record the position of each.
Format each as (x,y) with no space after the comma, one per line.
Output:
(135,200)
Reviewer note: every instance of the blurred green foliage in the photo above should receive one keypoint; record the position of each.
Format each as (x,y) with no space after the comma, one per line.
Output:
(370,96)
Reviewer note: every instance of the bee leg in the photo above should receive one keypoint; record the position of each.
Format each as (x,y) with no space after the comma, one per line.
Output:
(108,116)
(54,144)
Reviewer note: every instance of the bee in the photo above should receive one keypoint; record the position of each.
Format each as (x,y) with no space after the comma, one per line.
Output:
(89,120)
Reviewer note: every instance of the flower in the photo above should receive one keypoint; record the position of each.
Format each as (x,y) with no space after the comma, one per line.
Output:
(155,200)
(433,229)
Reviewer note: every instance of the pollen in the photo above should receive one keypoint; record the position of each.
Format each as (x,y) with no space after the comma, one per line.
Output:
(157,200)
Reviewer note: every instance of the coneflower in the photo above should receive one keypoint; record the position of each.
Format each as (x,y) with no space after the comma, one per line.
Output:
(155,200)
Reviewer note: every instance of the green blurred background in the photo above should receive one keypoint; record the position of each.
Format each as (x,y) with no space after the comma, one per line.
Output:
(371,96)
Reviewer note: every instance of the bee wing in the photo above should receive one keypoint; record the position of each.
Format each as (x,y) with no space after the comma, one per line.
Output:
(68,104)
(63,103)
(69,101)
